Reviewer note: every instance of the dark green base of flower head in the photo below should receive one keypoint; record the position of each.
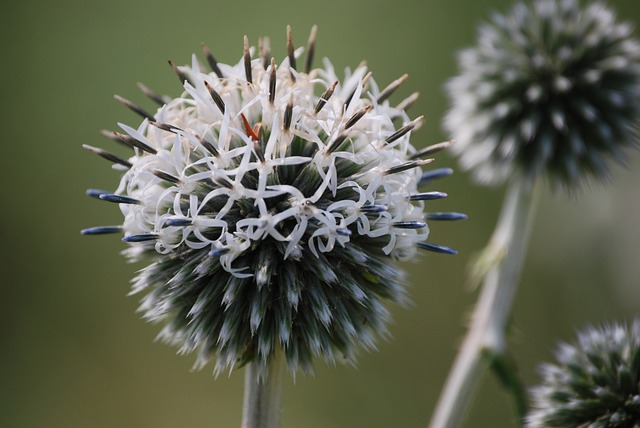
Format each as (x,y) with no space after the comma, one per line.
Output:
(312,307)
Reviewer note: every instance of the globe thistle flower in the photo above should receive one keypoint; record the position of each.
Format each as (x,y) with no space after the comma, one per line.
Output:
(550,89)
(595,383)
(271,201)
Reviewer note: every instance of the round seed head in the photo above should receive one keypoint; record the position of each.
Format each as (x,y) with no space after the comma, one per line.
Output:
(551,89)
(594,383)
(270,205)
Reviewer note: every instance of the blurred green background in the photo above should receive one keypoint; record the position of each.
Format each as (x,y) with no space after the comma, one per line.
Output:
(73,352)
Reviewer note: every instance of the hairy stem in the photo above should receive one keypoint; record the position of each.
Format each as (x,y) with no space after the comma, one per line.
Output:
(498,268)
(263,394)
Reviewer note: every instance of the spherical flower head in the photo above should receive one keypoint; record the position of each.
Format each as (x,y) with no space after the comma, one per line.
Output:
(551,89)
(271,203)
(595,383)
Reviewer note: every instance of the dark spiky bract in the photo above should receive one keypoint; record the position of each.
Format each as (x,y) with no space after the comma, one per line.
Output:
(550,90)
(271,205)
(594,384)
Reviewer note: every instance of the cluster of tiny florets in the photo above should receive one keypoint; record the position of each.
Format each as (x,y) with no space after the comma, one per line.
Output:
(271,202)
(595,382)
(551,89)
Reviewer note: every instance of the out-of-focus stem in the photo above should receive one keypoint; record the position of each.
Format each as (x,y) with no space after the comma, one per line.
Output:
(498,270)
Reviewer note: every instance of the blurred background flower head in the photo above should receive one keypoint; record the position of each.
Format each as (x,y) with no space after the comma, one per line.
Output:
(551,89)
(595,381)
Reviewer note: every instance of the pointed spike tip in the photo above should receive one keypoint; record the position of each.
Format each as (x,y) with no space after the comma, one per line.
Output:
(325,97)
(215,96)
(291,49)
(408,102)
(414,124)
(179,222)
(247,60)
(428,196)
(101,230)
(311,47)
(434,174)
(165,127)
(357,116)
(181,75)
(108,156)
(152,95)
(118,199)
(288,116)
(393,86)
(436,248)
(410,224)
(213,64)
(272,82)
(429,150)
(128,140)
(95,193)
(407,165)
(446,216)
(134,108)
(145,237)
(166,176)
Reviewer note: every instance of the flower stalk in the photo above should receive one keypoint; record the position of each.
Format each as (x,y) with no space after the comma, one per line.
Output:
(549,91)
(263,394)
(498,268)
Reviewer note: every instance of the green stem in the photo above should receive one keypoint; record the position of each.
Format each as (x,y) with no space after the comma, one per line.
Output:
(263,394)
(498,269)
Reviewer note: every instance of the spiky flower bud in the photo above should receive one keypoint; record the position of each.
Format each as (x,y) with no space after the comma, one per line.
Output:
(271,202)
(595,383)
(551,89)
